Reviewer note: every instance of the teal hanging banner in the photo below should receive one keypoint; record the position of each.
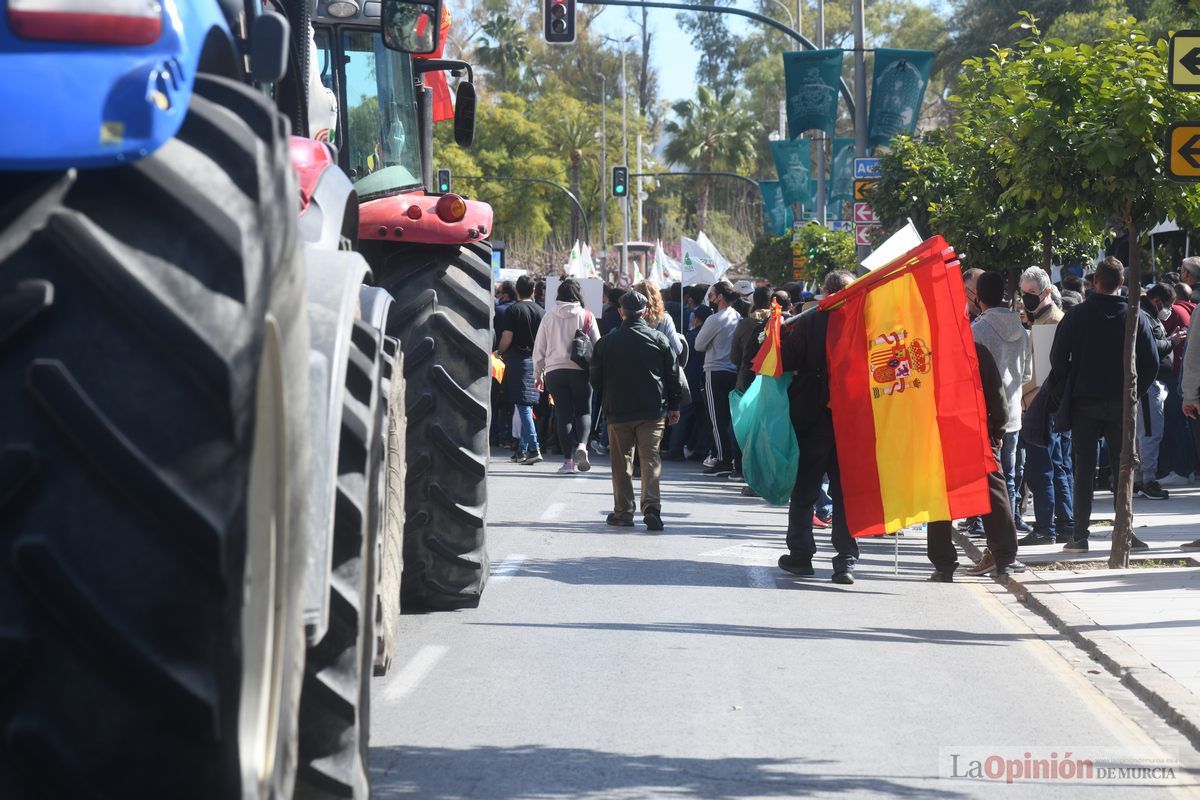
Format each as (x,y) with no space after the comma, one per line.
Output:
(793,164)
(841,184)
(777,215)
(897,92)
(812,78)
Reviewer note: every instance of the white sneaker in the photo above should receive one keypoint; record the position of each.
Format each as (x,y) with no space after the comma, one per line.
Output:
(581,459)
(711,461)
(568,467)
(1175,479)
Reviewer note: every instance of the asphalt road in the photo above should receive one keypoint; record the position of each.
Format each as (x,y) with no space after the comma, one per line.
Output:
(617,663)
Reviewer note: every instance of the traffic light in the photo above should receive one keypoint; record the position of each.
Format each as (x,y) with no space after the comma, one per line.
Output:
(620,185)
(443,181)
(559,21)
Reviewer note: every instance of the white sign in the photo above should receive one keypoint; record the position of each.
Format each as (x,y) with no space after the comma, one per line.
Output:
(866,169)
(502,275)
(864,214)
(862,234)
(896,245)
(593,293)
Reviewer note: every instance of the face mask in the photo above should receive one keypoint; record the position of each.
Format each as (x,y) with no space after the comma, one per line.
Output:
(713,305)
(1164,314)
(1031,301)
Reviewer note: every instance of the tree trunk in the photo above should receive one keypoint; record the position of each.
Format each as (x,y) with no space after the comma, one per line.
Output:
(576,224)
(644,73)
(702,191)
(1047,248)
(1123,490)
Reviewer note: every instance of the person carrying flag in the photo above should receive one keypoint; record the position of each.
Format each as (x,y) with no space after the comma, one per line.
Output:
(803,352)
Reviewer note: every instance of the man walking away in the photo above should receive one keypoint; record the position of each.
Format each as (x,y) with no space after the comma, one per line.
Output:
(714,340)
(633,369)
(1086,360)
(517,335)
(970,276)
(803,352)
(1047,469)
(1001,552)
(1156,303)
(1000,331)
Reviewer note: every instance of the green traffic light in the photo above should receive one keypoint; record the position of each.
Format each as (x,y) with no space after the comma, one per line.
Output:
(445,188)
(620,190)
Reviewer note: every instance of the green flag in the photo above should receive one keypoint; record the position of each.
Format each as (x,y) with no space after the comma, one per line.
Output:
(812,78)
(777,215)
(897,91)
(793,164)
(841,184)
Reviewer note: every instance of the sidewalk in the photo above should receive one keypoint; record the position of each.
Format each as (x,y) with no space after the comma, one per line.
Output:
(1141,623)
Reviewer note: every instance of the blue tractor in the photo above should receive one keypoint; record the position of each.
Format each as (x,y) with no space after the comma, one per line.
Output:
(201,414)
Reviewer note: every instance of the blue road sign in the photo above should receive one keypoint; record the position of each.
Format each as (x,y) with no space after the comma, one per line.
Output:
(841,225)
(866,168)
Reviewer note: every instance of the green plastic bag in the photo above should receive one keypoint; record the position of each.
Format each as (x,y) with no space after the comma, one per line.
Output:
(763,427)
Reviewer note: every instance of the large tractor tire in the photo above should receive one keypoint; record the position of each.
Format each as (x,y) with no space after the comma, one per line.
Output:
(335,703)
(151,334)
(391,545)
(443,319)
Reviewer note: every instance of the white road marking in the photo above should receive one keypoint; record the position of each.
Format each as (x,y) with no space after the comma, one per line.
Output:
(404,682)
(761,577)
(553,511)
(767,552)
(507,568)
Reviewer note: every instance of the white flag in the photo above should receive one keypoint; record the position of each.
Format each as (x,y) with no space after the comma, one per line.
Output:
(573,268)
(666,269)
(722,264)
(698,266)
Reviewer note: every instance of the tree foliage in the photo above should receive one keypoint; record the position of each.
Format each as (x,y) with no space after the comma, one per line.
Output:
(825,250)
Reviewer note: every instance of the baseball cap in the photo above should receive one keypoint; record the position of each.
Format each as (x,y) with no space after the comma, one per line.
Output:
(744,287)
(633,301)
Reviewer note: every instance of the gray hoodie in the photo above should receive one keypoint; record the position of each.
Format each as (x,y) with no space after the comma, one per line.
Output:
(1001,332)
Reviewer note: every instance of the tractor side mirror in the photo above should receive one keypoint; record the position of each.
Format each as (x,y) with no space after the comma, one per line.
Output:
(464,114)
(412,26)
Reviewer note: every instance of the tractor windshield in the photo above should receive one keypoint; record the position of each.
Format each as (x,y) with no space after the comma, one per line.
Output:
(383,141)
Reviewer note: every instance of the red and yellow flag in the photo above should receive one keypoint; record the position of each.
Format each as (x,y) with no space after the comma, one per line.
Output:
(768,362)
(443,102)
(908,409)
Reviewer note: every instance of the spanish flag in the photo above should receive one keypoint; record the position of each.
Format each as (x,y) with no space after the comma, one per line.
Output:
(768,362)
(908,409)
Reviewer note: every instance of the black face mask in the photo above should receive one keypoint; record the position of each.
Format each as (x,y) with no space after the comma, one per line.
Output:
(1031,301)
(714,306)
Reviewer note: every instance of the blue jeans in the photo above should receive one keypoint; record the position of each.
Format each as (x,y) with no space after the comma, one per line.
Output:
(1048,472)
(1178,454)
(528,431)
(1008,463)
(824,507)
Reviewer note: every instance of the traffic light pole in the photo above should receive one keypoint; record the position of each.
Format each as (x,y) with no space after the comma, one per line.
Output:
(570,196)
(804,41)
(860,94)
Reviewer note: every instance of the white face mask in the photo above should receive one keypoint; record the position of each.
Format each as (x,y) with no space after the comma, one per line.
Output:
(1164,314)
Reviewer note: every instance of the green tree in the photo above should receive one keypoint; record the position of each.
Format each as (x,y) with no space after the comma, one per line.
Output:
(710,133)
(505,51)
(824,250)
(1089,122)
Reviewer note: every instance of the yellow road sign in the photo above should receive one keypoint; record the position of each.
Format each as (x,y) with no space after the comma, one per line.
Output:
(1184,72)
(1183,151)
(861,188)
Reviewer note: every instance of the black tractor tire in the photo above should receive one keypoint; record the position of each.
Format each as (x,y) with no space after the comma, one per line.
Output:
(335,702)
(443,319)
(139,307)
(391,549)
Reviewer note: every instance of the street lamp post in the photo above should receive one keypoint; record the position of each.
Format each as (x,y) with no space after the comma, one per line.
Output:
(821,210)
(625,160)
(860,97)
(603,173)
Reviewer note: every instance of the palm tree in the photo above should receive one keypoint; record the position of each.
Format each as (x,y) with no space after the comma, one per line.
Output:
(710,133)
(505,49)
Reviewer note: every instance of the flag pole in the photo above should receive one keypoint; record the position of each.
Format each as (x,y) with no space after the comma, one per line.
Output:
(896,559)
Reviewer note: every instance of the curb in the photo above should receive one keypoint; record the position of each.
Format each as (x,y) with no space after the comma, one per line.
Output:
(1166,696)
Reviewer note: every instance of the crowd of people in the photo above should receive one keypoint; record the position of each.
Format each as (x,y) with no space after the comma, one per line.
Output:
(651,378)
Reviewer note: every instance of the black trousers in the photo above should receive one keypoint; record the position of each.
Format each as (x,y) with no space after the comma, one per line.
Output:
(1090,422)
(818,457)
(572,407)
(998,526)
(718,385)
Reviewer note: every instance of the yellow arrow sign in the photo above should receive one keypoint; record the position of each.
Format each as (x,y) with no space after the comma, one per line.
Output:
(860,189)
(1183,151)
(1184,73)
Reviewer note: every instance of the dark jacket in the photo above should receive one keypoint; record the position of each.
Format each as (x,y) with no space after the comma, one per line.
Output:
(994,398)
(633,369)
(1164,346)
(1086,355)
(610,320)
(743,347)
(695,367)
(802,351)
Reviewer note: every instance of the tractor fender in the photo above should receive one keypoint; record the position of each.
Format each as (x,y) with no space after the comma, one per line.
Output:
(334,279)
(328,202)
(375,303)
(131,102)
(392,219)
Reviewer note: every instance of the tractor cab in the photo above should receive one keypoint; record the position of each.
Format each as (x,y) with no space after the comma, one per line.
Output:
(378,64)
